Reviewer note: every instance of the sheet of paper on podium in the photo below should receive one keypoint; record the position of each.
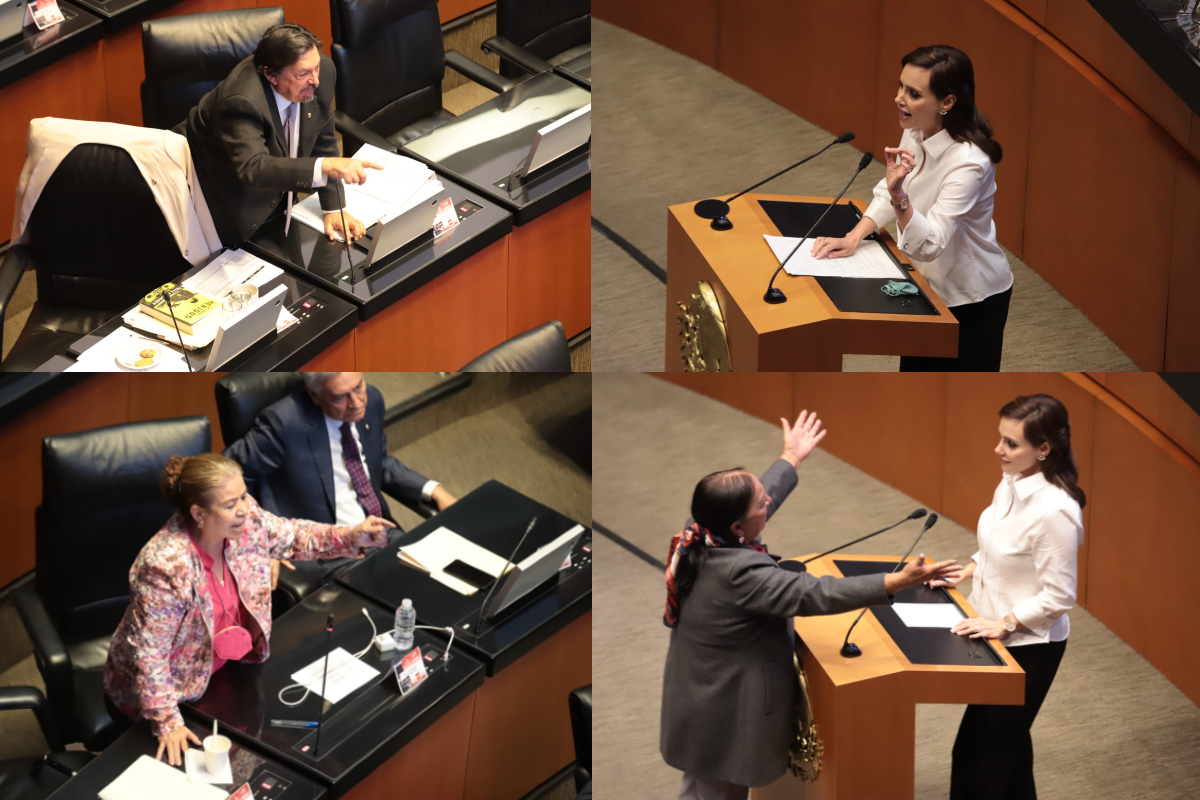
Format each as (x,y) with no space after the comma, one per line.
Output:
(928,615)
(868,261)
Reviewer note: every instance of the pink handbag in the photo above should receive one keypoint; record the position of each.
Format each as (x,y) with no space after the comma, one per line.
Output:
(232,643)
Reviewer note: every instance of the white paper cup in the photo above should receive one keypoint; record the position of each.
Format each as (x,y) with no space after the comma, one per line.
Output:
(216,754)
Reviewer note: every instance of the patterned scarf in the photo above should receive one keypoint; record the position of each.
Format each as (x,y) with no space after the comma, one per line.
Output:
(694,535)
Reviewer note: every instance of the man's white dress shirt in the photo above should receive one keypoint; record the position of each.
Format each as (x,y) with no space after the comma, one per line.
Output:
(1028,541)
(345,499)
(951,237)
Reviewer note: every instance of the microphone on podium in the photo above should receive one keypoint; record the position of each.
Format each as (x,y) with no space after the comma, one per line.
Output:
(716,210)
(775,296)
(849,648)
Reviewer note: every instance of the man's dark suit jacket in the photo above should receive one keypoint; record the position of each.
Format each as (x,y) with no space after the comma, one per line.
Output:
(287,453)
(237,144)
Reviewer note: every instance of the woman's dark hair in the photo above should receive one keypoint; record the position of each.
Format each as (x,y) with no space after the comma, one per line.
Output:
(281,46)
(721,499)
(951,73)
(1045,421)
(189,481)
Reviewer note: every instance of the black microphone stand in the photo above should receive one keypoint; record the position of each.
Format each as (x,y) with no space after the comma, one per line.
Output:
(775,296)
(717,210)
(920,512)
(324,675)
(345,230)
(171,308)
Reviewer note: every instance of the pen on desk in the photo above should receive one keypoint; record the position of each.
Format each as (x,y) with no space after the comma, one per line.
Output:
(292,723)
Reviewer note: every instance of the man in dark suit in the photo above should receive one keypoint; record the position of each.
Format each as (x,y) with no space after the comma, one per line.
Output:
(266,132)
(320,453)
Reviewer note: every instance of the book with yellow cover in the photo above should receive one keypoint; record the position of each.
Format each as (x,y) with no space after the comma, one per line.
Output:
(189,307)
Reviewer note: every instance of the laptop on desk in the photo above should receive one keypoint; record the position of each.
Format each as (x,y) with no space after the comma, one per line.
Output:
(564,135)
(12,18)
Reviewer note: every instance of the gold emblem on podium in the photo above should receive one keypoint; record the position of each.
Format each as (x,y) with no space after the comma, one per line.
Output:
(702,340)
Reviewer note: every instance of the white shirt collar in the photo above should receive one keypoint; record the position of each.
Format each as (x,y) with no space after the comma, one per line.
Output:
(1025,487)
(335,425)
(935,145)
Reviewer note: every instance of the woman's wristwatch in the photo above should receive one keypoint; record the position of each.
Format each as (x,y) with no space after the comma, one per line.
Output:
(902,205)
(1010,623)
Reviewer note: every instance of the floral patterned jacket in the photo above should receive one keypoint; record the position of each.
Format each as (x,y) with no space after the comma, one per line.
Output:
(161,654)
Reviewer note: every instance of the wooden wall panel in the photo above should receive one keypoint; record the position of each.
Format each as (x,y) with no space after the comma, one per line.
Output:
(68,89)
(442,325)
(839,39)
(1078,120)
(550,269)
(1194,139)
(124,66)
(176,394)
(100,400)
(1183,323)
(1035,9)
(1000,42)
(1080,27)
(338,357)
(1150,397)
(686,26)
(766,395)
(1143,524)
(890,425)
(972,470)
(453,9)
(312,14)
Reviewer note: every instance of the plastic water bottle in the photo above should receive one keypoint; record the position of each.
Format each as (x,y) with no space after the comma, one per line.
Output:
(406,621)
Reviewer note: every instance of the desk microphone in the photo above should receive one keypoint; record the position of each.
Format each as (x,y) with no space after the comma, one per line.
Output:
(775,296)
(177,333)
(324,675)
(716,210)
(920,512)
(500,577)
(345,230)
(849,648)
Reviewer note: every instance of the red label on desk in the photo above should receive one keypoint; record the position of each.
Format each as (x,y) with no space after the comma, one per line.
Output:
(243,793)
(411,670)
(445,218)
(43,13)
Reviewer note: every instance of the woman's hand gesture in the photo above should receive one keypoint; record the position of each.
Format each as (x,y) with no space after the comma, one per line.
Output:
(896,172)
(800,439)
(371,532)
(176,744)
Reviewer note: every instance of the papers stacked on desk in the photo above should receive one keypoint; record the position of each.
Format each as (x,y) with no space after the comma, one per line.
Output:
(102,356)
(216,280)
(868,261)
(346,673)
(444,546)
(149,779)
(400,185)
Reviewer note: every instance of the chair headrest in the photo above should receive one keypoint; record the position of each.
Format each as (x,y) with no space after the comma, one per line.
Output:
(202,47)
(540,349)
(242,396)
(361,20)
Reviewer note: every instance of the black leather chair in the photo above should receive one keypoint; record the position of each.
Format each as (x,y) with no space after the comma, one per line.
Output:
(21,779)
(540,349)
(94,212)
(101,503)
(390,65)
(240,399)
(534,36)
(186,56)
(580,701)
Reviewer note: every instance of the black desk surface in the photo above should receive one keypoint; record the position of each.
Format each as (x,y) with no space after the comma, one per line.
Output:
(247,765)
(924,645)
(119,13)
(495,517)
(483,145)
(33,49)
(296,346)
(361,731)
(578,70)
(311,255)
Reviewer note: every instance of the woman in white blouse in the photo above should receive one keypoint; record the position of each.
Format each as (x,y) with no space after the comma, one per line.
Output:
(1024,583)
(939,188)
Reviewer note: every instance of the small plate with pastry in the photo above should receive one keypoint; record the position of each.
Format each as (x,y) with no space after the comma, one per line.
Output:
(140,354)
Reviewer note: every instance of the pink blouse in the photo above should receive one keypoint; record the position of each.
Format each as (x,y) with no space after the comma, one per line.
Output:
(227,606)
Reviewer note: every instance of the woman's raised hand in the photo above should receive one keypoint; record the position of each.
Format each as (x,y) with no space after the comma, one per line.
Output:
(896,172)
(175,743)
(372,532)
(800,439)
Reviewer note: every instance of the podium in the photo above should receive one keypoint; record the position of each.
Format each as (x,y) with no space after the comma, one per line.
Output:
(822,318)
(865,707)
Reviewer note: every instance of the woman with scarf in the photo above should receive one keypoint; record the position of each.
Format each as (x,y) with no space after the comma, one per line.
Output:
(728,686)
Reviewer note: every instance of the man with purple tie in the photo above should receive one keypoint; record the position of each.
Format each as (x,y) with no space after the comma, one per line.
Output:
(320,453)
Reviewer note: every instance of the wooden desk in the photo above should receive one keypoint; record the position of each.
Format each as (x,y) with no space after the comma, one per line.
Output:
(808,332)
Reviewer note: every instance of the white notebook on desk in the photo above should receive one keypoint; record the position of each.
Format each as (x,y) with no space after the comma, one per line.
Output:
(148,779)
(433,553)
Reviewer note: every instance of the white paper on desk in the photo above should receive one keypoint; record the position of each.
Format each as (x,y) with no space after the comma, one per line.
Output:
(229,269)
(868,261)
(928,615)
(102,356)
(197,769)
(346,673)
(150,779)
(443,546)
(399,179)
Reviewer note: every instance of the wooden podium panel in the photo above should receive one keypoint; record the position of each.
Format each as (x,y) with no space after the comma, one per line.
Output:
(865,708)
(807,333)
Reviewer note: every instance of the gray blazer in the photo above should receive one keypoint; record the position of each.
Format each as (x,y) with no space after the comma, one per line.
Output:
(728,688)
